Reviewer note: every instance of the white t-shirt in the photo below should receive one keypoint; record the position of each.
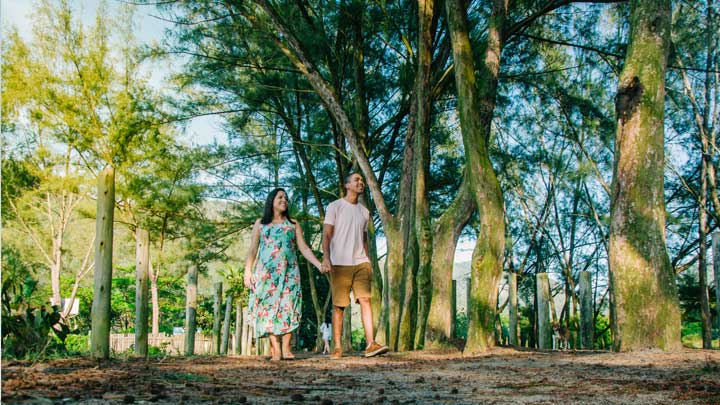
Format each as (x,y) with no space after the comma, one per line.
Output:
(351,223)
(326,331)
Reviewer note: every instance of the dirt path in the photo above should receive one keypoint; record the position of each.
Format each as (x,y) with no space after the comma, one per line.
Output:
(501,376)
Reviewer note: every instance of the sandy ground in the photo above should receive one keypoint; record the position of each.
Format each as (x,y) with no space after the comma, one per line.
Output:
(501,376)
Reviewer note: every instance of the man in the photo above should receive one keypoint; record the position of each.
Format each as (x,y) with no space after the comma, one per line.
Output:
(345,251)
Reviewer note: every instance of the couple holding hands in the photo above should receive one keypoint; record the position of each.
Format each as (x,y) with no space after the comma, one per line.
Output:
(273,276)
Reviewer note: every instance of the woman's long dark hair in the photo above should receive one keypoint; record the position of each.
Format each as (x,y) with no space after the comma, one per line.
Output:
(268,212)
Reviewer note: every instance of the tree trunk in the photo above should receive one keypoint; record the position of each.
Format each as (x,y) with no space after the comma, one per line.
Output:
(226,325)
(587,322)
(100,342)
(644,295)
(513,329)
(217,313)
(142,259)
(191,309)
(545,331)
(476,104)
(446,233)
(422,226)
(55,269)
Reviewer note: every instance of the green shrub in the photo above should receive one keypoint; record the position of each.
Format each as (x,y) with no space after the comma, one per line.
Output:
(358,340)
(461,325)
(77,344)
(29,328)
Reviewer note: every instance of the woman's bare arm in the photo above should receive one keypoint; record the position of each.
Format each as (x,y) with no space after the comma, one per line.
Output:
(304,248)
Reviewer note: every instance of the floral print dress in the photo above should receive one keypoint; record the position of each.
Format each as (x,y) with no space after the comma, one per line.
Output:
(275,302)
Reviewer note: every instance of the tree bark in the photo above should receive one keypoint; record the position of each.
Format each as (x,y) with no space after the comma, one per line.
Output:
(587,319)
(422,225)
(644,295)
(100,341)
(191,309)
(217,313)
(476,104)
(142,259)
(545,331)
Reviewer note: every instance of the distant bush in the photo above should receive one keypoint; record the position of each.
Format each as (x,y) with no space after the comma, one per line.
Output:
(461,325)
(77,344)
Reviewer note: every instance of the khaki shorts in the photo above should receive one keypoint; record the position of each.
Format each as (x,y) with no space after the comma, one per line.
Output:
(345,278)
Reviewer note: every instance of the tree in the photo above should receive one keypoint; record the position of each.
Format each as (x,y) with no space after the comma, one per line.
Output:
(646,312)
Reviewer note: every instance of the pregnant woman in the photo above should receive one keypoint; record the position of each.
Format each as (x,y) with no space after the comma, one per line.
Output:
(273,276)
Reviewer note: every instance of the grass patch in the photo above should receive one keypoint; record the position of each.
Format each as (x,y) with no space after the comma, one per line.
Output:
(181,377)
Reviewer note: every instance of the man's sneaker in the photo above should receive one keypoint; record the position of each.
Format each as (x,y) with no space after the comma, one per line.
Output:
(375,350)
(336,354)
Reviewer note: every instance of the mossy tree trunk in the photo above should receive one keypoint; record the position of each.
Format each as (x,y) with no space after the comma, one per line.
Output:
(476,105)
(422,224)
(100,342)
(644,296)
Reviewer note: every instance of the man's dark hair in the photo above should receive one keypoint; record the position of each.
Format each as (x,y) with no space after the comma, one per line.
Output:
(347,177)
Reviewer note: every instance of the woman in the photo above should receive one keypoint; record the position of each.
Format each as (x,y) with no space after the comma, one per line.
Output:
(275,303)
(326,331)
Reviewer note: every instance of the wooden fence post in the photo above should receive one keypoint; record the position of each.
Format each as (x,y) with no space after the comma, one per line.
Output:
(513,328)
(226,325)
(587,323)
(142,260)
(102,281)
(190,309)
(543,311)
(216,317)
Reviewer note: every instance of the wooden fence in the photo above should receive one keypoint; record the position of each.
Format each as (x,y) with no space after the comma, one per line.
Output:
(171,344)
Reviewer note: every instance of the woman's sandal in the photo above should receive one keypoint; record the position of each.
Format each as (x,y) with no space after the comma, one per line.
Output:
(288,358)
(275,358)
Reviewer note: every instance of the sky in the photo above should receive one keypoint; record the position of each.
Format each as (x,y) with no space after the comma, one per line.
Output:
(18,14)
